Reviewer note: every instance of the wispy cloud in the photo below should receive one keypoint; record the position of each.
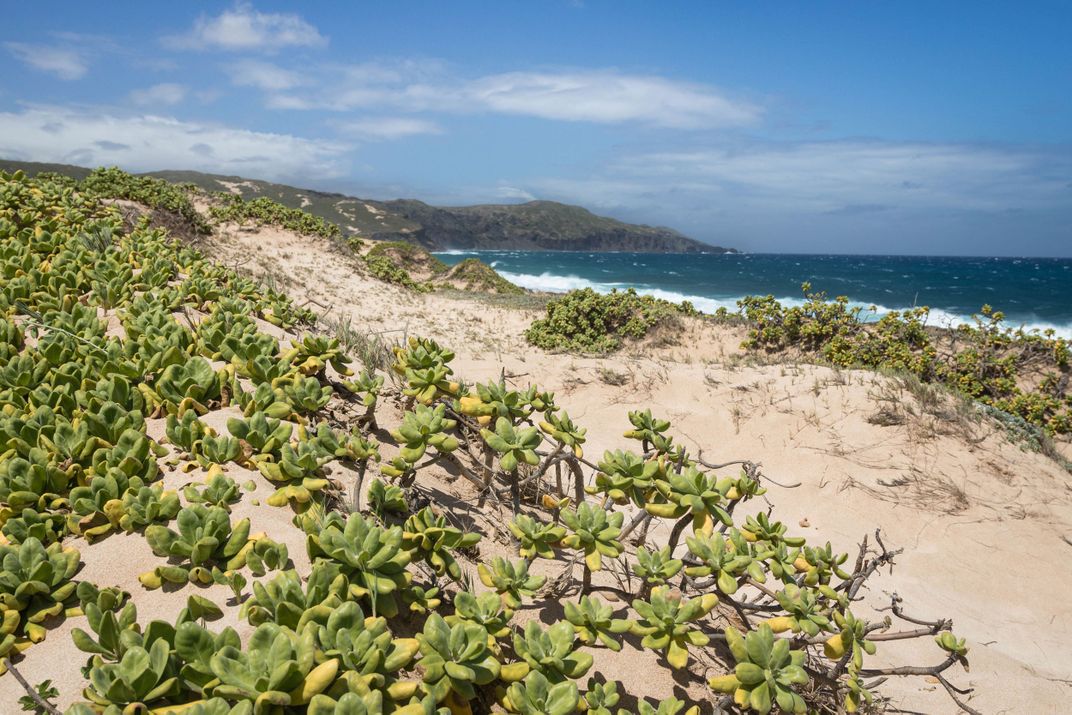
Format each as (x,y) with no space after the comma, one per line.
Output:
(243,28)
(818,195)
(65,62)
(147,141)
(166,94)
(602,96)
(389,127)
(263,75)
(610,97)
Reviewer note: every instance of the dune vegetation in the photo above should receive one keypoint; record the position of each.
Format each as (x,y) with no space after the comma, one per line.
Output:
(112,333)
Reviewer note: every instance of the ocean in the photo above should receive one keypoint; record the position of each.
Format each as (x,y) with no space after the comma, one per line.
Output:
(1032,292)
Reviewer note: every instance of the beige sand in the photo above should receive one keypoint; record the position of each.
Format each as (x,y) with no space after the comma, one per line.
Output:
(981,520)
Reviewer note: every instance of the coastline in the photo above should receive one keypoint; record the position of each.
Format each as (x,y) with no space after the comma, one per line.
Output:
(713,300)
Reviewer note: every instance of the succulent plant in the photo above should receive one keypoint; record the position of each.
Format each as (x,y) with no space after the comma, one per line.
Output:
(552,651)
(656,567)
(455,659)
(593,621)
(595,532)
(625,477)
(263,554)
(536,695)
(134,455)
(369,703)
(371,556)
(691,492)
(370,658)
(951,644)
(721,559)
(649,430)
(422,428)
(485,609)
(765,674)
(761,528)
(297,471)
(420,599)
(305,394)
(218,490)
(195,645)
(192,384)
(216,449)
(386,498)
(284,600)
(35,584)
(205,538)
(820,563)
(270,400)
(804,612)
(851,638)
(186,431)
(511,581)
(354,447)
(537,538)
(264,434)
(513,445)
(109,626)
(264,369)
(670,706)
(141,678)
(494,399)
(562,429)
(423,364)
(601,697)
(47,526)
(430,537)
(313,353)
(33,483)
(368,385)
(275,668)
(146,505)
(667,623)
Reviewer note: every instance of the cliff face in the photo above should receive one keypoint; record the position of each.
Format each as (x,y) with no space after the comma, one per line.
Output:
(533,226)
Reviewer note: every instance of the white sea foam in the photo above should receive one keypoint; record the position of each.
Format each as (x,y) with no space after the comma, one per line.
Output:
(552,283)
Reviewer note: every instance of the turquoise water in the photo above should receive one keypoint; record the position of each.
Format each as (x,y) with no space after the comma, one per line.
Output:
(1035,292)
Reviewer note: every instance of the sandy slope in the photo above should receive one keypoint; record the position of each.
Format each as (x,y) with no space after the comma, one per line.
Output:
(981,521)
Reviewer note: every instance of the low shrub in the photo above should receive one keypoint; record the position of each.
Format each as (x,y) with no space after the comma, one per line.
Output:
(262,210)
(1019,372)
(586,321)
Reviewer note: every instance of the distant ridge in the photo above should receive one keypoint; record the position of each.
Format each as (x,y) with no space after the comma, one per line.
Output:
(536,225)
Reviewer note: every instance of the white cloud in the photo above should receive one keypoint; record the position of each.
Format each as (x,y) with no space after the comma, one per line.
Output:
(389,127)
(263,75)
(147,142)
(610,97)
(243,28)
(833,176)
(513,193)
(64,62)
(601,96)
(872,196)
(166,93)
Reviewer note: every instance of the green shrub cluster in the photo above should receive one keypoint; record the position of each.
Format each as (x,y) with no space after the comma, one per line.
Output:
(395,261)
(586,321)
(1012,370)
(474,275)
(114,183)
(75,458)
(263,210)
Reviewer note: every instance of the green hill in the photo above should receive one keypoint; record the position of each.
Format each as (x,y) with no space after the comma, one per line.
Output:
(536,225)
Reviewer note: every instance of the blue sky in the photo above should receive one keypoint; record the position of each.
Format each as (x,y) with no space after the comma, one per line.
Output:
(865,127)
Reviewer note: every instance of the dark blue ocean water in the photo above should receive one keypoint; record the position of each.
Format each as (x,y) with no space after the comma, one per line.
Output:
(1036,292)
